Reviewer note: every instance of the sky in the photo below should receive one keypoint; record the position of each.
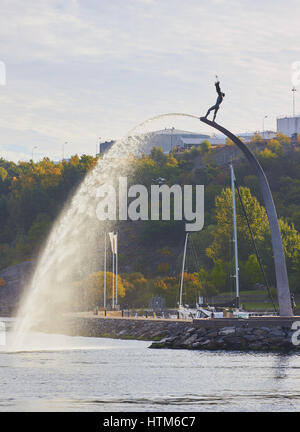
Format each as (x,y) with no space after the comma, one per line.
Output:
(82,70)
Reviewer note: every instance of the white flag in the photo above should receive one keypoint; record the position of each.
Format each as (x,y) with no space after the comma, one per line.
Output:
(112,241)
(116,243)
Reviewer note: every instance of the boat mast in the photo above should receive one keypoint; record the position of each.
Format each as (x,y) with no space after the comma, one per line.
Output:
(104,282)
(113,276)
(182,271)
(236,259)
(116,250)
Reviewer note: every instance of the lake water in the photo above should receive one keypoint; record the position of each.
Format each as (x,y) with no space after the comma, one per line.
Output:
(60,373)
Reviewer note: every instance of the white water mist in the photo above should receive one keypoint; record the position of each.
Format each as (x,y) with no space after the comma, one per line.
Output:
(75,243)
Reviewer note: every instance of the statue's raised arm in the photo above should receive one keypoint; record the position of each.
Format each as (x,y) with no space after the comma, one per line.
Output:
(220,98)
(217,84)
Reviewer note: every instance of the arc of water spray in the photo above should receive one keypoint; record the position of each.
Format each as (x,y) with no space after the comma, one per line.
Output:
(158,117)
(73,239)
(71,242)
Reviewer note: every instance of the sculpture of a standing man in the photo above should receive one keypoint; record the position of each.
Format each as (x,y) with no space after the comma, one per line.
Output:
(219,100)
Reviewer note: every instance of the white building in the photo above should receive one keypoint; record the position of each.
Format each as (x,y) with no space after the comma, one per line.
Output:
(169,139)
(267,135)
(188,143)
(288,125)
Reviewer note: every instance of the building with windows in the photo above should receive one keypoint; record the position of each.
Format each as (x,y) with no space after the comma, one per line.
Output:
(167,139)
(177,140)
(289,125)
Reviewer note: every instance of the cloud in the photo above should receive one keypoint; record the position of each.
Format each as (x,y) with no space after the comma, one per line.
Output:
(77,70)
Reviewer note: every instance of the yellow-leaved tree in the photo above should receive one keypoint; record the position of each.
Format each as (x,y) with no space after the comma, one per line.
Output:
(96,288)
(89,292)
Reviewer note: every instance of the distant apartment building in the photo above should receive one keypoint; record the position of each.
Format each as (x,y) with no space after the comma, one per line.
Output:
(189,143)
(289,125)
(266,135)
(167,139)
(104,146)
(179,140)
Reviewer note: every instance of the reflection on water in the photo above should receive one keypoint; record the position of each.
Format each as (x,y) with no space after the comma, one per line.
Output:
(60,373)
(282,366)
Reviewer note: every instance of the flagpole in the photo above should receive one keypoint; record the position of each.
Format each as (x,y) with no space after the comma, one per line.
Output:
(113,279)
(104,284)
(116,267)
(236,257)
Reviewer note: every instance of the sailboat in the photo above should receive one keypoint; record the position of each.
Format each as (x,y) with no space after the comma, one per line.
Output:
(184,311)
(210,311)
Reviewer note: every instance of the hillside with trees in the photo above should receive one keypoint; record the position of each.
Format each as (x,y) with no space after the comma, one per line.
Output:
(33,194)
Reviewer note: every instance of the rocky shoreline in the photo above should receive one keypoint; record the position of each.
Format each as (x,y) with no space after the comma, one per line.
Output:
(232,339)
(187,334)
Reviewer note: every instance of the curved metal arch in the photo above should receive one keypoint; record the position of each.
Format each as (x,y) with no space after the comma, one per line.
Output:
(283,291)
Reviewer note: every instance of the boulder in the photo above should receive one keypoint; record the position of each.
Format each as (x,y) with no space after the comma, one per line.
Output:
(227,331)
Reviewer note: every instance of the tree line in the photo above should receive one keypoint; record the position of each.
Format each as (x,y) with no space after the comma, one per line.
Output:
(32,195)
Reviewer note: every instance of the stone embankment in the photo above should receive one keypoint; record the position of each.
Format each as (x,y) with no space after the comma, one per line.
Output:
(120,328)
(234,334)
(232,338)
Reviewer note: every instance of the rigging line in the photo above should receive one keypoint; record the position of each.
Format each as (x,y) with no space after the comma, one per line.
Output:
(231,264)
(255,247)
(194,267)
(197,260)
(191,258)
(195,264)
(194,254)
(199,251)
(196,251)
(184,266)
(194,258)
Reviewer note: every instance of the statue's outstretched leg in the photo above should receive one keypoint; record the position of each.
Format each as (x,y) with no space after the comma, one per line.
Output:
(211,109)
(208,113)
(216,110)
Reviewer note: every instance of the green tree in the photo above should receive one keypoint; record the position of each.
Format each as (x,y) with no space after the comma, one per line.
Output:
(256,139)
(192,288)
(221,247)
(283,139)
(163,268)
(95,287)
(205,147)
(208,288)
(253,273)
(267,155)
(137,290)
(218,275)
(276,147)
(3,174)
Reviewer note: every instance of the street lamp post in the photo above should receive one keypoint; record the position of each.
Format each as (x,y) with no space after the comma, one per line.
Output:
(35,147)
(63,150)
(263,131)
(97,147)
(172,130)
(294,91)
